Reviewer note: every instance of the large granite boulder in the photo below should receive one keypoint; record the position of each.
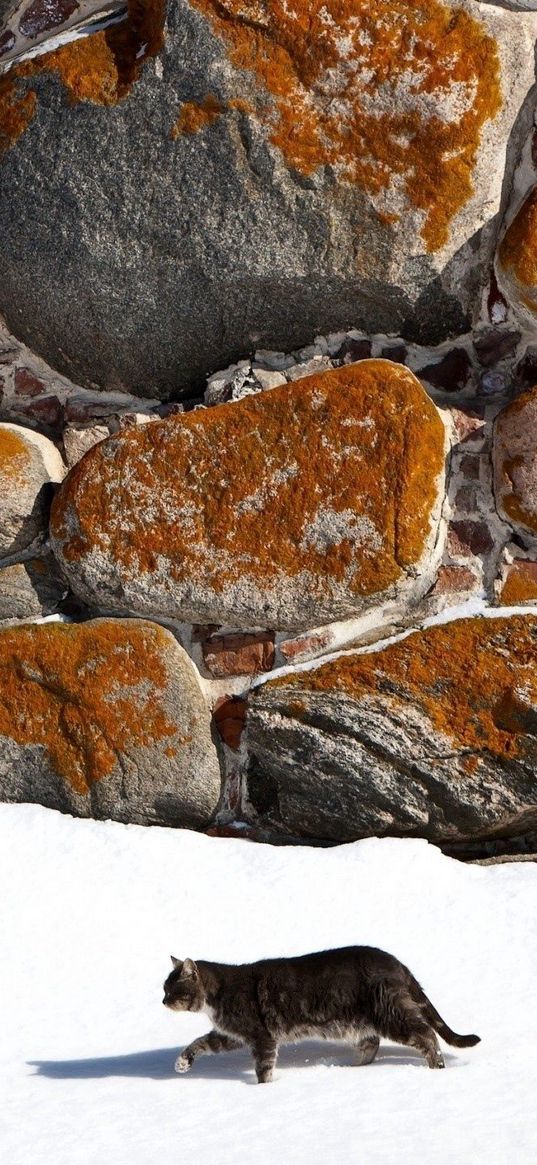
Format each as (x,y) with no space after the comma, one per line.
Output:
(515,463)
(434,736)
(30,467)
(311,502)
(276,172)
(105,719)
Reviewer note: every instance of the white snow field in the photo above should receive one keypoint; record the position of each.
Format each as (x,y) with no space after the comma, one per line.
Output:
(91,912)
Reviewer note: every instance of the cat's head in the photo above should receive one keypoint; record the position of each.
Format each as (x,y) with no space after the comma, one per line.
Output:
(183,989)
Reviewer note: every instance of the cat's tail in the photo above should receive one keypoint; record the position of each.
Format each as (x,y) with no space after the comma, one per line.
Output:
(435,1019)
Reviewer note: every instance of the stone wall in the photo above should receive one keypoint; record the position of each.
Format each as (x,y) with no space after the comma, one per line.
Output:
(294,598)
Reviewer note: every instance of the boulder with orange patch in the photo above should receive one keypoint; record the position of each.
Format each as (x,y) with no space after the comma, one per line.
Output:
(282,170)
(312,502)
(433,736)
(105,719)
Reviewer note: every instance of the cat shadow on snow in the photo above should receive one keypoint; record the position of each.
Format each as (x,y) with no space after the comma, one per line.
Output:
(158,1064)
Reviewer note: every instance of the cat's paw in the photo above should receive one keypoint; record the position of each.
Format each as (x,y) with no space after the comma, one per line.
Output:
(183,1063)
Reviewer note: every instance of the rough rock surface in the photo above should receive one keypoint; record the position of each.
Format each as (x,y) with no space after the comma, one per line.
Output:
(279,171)
(515,462)
(285,509)
(29,466)
(434,736)
(30,588)
(517,260)
(105,719)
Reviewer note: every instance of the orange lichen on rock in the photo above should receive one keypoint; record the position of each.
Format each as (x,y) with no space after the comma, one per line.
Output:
(518,250)
(393,96)
(196,115)
(16,111)
(85,693)
(100,68)
(474,679)
(14,456)
(520,585)
(319,478)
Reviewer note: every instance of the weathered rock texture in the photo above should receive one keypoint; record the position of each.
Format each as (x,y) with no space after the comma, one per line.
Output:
(280,170)
(515,463)
(105,719)
(289,508)
(517,260)
(30,589)
(30,465)
(434,736)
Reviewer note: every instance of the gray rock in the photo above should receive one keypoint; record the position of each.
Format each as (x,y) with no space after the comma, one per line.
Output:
(138,260)
(105,719)
(77,441)
(30,589)
(434,736)
(30,466)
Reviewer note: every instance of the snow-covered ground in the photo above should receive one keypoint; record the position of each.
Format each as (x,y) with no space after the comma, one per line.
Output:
(92,911)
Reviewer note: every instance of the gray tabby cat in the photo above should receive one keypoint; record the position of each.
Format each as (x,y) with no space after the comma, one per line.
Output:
(355,994)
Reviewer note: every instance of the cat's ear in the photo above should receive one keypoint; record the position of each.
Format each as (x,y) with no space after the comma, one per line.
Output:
(190,971)
(176,962)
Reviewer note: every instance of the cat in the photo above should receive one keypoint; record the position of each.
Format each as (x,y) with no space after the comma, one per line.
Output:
(354,994)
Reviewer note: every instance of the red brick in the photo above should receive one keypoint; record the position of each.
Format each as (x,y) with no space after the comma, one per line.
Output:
(45,410)
(26,384)
(467,538)
(229,716)
(454,580)
(292,649)
(238,655)
(467,497)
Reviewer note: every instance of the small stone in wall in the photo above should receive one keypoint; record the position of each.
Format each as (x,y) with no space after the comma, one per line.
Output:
(76,442)
(469,537)
(519,584)
(230,716)
(42,410)
(30,467)
(455,580)
(30,589)
(515,463)
(27,384)
(238,655)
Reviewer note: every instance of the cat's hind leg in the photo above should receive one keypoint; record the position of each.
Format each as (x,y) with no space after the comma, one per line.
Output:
(213,1042)
(366,1050)
(265,1052)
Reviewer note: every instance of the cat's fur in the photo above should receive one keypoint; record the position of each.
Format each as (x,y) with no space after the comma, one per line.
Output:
(355,994)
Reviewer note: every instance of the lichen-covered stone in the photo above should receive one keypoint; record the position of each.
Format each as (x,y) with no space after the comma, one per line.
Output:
(30,465)
(515,462)
(434,736)
(30,589)
(105,719)
(319,165)
(517,259)
(286,509)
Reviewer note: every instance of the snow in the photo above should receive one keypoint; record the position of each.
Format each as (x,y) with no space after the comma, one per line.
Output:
(91,912)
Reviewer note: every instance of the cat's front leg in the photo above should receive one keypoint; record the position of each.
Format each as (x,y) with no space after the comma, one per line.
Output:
(213,1042)
(265,1052)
